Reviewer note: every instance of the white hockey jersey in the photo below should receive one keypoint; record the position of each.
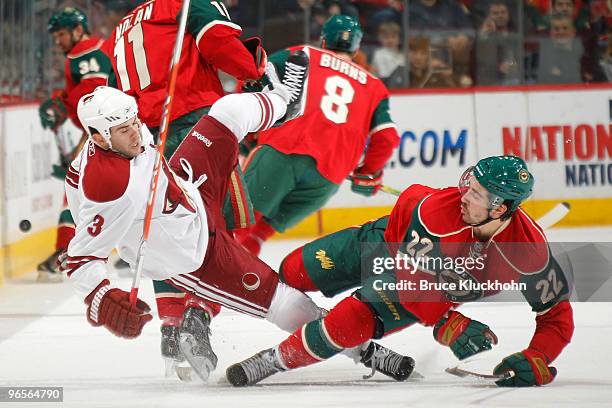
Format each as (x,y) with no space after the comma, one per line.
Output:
(107,196)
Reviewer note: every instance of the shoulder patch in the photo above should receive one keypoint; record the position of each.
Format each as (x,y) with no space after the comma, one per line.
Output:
(106,175)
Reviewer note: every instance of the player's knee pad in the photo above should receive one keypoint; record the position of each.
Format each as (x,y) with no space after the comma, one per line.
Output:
(290,309)
(293,272)
(350,323)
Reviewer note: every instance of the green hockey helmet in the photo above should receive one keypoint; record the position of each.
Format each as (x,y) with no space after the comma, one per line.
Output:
(506,178)
(68,17)
(342,33)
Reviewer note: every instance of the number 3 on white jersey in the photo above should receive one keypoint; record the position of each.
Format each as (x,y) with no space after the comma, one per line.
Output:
(339,94)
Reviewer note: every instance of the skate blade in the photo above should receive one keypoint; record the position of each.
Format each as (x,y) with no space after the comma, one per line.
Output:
(47,277)
(183,372)
(203,366)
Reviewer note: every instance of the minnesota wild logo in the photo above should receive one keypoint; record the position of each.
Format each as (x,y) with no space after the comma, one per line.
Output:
(326,262)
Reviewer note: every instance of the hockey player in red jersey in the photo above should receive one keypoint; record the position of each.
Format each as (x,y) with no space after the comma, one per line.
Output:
(140,53)
(86,68)
(296,168)
(480,221)
(189,246)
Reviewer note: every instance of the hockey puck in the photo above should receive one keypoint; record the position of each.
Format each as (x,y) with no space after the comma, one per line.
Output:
(25,225)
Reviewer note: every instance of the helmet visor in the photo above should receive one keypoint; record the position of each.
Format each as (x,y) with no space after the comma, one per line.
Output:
(475,194)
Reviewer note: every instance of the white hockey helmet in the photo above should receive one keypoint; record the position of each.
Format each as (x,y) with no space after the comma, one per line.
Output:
(104,108)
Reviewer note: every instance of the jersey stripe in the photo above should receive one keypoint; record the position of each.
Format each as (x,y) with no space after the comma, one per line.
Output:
(211,25)
(382,126)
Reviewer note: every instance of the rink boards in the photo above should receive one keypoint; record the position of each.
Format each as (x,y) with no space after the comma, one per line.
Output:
(564,133)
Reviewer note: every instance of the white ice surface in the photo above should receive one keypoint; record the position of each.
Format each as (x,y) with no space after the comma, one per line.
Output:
(46,341)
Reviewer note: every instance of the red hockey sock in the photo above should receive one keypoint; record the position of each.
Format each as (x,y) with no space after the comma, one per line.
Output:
(64,234)
(212,308)
(293,353)
(350,323)
(262,230)
(293,272)
(170,308)
(347,325)
(255,235)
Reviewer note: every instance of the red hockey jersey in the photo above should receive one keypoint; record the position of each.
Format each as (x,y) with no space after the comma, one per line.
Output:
(85,69)
(140,50)
(345,106)
(428,222)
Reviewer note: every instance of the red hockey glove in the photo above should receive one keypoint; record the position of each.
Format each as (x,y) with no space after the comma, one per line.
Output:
(253,45)
(530,367)
(366,184)
(464,336)
(110,307)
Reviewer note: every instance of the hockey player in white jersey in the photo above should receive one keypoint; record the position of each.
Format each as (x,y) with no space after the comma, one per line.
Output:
(108,186)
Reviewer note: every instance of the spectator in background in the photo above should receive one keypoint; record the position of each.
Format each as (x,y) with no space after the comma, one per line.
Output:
(393,12)
(447,24)
(318,17)
(605,62)
(579,14)
(113,11)
(389,56)
(560,54)
(427,70)
(498,48)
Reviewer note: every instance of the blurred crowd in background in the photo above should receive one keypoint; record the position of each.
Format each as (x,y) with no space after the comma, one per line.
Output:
(407,43)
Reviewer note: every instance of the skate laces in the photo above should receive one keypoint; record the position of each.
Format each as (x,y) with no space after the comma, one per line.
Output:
(384,360)
(294,79)
(260,366)
(186,166)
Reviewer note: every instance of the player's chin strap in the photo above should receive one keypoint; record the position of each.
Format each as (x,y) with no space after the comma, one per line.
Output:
(489,218)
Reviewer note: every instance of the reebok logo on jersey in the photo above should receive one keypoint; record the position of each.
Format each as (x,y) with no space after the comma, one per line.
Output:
(202,138)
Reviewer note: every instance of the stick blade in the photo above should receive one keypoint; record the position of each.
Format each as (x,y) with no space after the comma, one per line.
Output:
(460,372)
(555,215)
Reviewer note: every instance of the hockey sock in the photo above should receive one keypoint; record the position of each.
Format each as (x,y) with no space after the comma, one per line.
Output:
(262,230)
(258,111)
(65,230)
(170,307)
(212,308)
(293,272)
(347,325)
(252,238)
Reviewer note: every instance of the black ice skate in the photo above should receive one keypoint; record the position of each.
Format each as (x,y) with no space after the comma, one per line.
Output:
(172,354)
(254,369)
(194,342)
(48,270)
(387,362)
(294,79)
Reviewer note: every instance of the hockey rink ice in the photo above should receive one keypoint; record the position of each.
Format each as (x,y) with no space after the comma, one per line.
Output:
(46,341)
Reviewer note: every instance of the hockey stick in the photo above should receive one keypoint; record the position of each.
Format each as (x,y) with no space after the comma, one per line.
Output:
(555,215)
(385,189)
(165,118)
(460,372)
